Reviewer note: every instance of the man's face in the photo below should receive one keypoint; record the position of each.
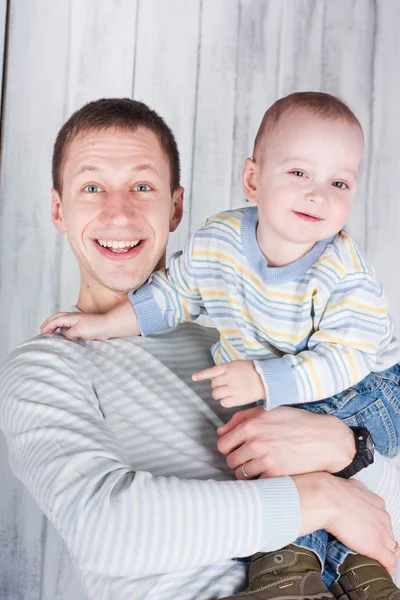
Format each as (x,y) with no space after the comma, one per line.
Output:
(116,207)
(306,178)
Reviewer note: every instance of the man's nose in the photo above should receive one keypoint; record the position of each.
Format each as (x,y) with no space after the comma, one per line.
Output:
(119,207)
(317,195)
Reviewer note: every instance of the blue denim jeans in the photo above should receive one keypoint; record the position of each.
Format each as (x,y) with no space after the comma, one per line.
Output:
(373,403)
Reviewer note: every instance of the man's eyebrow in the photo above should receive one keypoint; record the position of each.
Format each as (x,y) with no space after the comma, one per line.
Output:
(139,167)
(84,168)
(146,167)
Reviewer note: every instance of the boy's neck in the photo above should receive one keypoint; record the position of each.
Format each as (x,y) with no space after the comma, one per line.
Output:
(279,252)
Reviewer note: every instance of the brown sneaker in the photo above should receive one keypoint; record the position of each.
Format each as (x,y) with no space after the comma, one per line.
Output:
(362,578)
(290,574)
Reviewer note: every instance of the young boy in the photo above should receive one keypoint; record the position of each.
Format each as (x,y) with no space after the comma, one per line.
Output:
(302,317)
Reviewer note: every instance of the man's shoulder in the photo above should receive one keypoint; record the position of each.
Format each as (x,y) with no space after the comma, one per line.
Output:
(55,352)
(30,357)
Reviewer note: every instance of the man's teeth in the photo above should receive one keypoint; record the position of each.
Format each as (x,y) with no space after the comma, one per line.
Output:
(114,244)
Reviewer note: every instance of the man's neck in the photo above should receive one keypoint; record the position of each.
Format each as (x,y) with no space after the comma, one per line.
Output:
(99,303)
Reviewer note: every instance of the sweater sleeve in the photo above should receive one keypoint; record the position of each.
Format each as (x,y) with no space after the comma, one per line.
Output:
(116,521)
(170,296)
(354,329)
(383,478)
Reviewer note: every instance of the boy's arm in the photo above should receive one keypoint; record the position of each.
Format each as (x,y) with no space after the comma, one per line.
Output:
(170,296)
(355,328)
(119,322)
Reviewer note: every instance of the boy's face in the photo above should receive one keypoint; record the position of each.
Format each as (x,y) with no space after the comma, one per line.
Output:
(304,178)
(116,192)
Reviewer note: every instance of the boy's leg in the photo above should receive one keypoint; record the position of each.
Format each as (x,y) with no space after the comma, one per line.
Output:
(361,578)
(293,573)
(374,403)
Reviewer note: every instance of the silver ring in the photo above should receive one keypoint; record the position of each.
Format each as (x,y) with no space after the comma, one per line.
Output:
(394,549)
(243,472)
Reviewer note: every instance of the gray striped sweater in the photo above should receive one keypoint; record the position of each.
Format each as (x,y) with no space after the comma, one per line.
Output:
(118,447)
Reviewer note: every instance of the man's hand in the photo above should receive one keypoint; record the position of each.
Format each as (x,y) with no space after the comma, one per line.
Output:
(119,322)
(285,441)
(350,512)
(236,383)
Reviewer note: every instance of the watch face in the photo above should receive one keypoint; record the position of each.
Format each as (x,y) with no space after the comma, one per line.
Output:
(365,443)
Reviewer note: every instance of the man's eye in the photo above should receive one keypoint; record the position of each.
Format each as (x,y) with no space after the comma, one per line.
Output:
(142,187)
(340,184)
(298,173)
(92,189)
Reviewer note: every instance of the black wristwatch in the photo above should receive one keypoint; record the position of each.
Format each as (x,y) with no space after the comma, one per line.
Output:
(364,453)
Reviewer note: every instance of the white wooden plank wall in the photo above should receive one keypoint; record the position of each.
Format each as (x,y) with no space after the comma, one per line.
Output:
(211,68)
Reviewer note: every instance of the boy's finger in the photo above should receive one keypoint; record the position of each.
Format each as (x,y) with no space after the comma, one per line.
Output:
(51,319)
(209,373)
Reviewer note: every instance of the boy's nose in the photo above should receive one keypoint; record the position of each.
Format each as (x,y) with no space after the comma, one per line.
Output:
(317,195)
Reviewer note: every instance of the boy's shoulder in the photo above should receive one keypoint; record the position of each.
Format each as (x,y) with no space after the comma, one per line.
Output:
(347,257)
(231,218)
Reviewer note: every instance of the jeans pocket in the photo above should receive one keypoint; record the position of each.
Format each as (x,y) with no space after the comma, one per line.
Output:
(377,419)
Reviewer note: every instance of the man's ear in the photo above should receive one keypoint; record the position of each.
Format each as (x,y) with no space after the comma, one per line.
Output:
(57,213)
(176,208)
(249,179)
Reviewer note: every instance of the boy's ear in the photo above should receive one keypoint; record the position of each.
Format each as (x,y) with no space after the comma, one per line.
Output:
(176,208)
(57,213)
(249,179)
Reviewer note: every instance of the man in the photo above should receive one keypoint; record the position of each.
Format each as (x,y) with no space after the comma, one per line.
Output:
(113,439)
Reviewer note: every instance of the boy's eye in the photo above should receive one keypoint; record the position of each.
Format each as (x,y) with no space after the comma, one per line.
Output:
(340,184)
(141,187)
(92,189)
(299,173)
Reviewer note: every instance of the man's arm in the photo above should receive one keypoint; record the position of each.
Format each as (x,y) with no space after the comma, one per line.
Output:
(120,523)
(291,441)
(116,521)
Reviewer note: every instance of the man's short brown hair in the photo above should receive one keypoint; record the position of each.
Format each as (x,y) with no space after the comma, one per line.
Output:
(119,113)
(320,104)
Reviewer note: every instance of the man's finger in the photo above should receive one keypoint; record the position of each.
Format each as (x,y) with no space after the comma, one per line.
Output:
(249,470)
(232,440)
(209,373)
(239,417)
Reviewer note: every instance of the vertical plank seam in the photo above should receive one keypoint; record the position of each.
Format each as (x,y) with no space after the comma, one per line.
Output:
(135,46)
(196,102)
(371,126)
(235,106)
(3,86)
(282,38)
(43,544)
(59,243)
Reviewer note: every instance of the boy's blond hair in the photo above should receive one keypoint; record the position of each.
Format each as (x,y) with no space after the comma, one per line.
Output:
(320,104)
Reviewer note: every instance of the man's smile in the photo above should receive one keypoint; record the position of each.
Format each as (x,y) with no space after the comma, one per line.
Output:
(118,249)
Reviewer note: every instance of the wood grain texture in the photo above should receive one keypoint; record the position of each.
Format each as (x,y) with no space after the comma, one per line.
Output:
(3,15)
(214,121)
(210,68)
(166,78)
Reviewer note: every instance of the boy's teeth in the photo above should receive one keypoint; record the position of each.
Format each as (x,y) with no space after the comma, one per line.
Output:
(116,245)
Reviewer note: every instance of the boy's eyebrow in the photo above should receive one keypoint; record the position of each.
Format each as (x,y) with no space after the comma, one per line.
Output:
(140,167)
(298,159)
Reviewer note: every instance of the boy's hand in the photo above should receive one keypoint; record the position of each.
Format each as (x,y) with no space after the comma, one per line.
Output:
(119,322)
(234,384)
